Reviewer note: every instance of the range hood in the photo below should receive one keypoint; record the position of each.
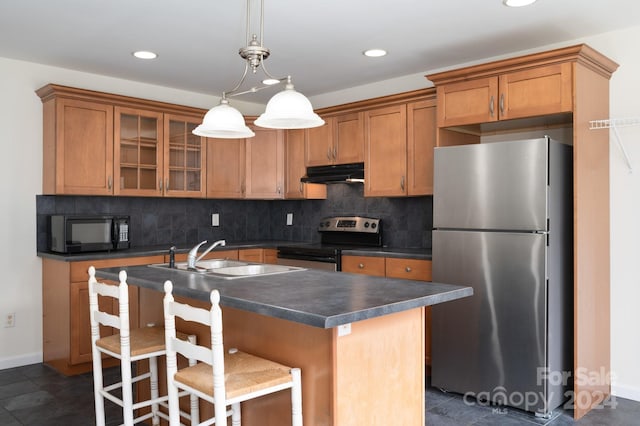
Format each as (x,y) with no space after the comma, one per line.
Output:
(338,173)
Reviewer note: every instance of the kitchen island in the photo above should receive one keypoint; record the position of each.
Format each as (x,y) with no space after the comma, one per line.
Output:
(359,340)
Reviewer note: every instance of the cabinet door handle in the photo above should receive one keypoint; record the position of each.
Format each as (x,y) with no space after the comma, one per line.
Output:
(160,184)
(491,106)
(335,153)
(408,269)
(301,187)
(166,184)
(109,182)
(402,183)
(502,103)
(361,265)
(329,153)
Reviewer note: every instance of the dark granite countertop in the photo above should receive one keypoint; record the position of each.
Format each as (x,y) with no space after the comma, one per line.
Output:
(411,253)
(313,297)
(155,250)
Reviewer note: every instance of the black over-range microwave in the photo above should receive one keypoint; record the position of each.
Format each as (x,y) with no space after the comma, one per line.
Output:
(75,234)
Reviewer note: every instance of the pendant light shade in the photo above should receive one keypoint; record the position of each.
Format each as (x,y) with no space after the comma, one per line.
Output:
(223,121)
(286,110)
(289,109)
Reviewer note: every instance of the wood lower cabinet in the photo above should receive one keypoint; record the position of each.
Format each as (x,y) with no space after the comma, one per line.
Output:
(392,267)
(66,326)
(367,265)
(259,255)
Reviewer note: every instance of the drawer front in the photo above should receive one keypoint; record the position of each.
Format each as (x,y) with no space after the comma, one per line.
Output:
(411,269)
(364,265)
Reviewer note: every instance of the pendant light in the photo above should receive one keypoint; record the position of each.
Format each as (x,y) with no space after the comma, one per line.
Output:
(287,109)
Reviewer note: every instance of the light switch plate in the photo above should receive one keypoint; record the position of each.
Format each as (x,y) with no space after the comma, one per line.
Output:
(215,219)
(289,219)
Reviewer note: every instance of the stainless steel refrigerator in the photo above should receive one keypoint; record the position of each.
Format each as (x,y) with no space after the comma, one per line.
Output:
(502,220)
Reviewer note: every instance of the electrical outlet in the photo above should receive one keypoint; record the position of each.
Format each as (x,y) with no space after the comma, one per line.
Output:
(215,219)
(10,320)
(289,219)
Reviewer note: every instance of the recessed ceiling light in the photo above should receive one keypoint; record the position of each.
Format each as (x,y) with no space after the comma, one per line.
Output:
(518,3)
(145,54)
(374,53)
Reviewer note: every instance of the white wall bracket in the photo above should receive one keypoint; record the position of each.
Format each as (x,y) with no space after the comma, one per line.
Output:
(614,124)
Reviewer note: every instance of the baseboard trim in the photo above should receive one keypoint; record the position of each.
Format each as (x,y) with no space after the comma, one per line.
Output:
(627,392)
(20,360)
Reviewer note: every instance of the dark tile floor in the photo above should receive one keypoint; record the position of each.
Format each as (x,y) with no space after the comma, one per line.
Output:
(37,395)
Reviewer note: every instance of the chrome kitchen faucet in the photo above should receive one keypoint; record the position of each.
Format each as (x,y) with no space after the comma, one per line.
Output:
(193,257)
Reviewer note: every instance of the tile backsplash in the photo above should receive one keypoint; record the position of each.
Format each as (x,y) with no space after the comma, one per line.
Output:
(407,222)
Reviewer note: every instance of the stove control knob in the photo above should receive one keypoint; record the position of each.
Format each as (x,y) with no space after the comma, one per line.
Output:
(373,226)
(327,224)
(366,224)
(321,224)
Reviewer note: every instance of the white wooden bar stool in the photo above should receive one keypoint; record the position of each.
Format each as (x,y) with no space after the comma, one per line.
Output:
(129,345)
(224,379)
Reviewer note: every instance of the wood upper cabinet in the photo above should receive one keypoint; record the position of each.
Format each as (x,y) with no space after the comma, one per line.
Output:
(225,168)
(348,142)
(421,139)
(386,151)
(295,169)
(77,146)
(185,157)
(399,142)
(536,91)
(264,167)
(103,144)
(138,152)
(339,141)
(319,144)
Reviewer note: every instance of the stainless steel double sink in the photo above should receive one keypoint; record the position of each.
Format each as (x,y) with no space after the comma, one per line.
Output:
(230,269)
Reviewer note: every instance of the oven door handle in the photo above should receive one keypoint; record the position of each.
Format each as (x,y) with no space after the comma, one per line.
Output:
(325,259)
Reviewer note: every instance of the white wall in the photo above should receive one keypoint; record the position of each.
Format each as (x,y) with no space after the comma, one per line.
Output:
(20,174)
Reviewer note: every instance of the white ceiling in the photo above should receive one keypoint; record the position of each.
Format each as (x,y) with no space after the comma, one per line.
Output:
(318,43)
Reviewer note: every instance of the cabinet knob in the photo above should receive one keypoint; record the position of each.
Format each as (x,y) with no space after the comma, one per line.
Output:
(361,265)
(408,269)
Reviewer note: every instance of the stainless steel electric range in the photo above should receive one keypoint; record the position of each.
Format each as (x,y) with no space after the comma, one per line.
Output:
(336,234)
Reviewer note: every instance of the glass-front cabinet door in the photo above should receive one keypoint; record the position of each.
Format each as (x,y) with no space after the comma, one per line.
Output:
(184,157)
(138,152)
